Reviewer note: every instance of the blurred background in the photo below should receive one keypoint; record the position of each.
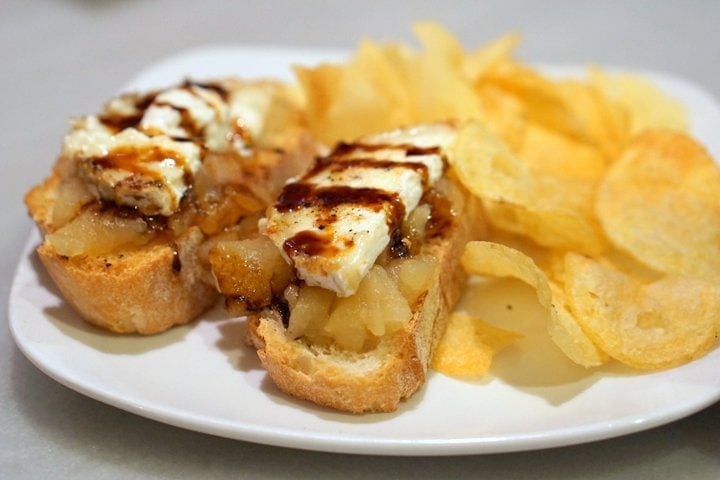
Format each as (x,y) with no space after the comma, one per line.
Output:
(63,58)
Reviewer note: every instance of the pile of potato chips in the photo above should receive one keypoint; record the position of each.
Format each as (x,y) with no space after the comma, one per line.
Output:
(595,195)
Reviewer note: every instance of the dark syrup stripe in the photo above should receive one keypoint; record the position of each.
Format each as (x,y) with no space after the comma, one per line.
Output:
(324,164)
(303,194)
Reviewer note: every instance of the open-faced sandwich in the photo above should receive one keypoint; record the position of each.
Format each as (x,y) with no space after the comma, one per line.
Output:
(355,268)
(141,190)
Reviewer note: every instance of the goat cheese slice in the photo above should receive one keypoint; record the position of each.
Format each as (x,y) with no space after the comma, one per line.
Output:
(334,222)
(144,151)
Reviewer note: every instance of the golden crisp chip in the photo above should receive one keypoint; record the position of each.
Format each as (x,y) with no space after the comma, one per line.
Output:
(661,203)
(503,114)
(385,86)
(496,260)
(346,101)
(468,346)
(321,86)
(438,88)
(573,108)
(553,211)
(647,326)
(488,57)
(542,98)
(647,105)
(486,166)
(558,215)
(549,153)
(602,122)
(439,43)
(567,333)
(384,83)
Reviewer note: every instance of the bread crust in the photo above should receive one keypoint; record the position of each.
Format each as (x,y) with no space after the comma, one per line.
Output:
(166,282)
(144,291)
(378,380)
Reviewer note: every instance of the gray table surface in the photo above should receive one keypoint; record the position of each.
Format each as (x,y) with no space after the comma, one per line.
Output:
(60,58)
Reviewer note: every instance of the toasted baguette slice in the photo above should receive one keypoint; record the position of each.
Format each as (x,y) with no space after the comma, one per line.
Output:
(148,281)
(143,290)
(379,379)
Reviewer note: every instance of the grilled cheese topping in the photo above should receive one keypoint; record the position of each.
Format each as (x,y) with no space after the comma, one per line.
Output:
(334,221)
(143,151)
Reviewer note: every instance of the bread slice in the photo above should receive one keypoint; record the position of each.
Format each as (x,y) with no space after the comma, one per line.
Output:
(147,282)
(378,379)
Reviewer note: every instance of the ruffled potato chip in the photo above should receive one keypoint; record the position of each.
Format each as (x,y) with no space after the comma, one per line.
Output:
(487,168)
(647,106)
(365,95)
(543,99)
(552,210)
(496,260)
(602,122)
(438,91)
(503,115)
(567,333)
(647,326)
(549,153)
(484,60)
(553,221)
(661,203)
(439,43)
(468,346)
(386,86)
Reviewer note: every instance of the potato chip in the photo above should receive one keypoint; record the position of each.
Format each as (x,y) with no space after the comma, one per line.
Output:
(573,108)
(385,82)
(601,122)
(496,260)
(468,346)
(488,57)
(503,114)
(439,43)
(542,98)
(549,153)
(437,87)
(661,203)
(366,95)
(388,86)
(647,326)
(487,167)
(321,85)
(558,215)
(553,211)
(648,106)
(567,333)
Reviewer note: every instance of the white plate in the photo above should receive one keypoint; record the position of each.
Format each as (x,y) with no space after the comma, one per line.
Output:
(201,377)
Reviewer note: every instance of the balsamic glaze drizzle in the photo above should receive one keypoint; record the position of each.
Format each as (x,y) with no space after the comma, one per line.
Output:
(304,194)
